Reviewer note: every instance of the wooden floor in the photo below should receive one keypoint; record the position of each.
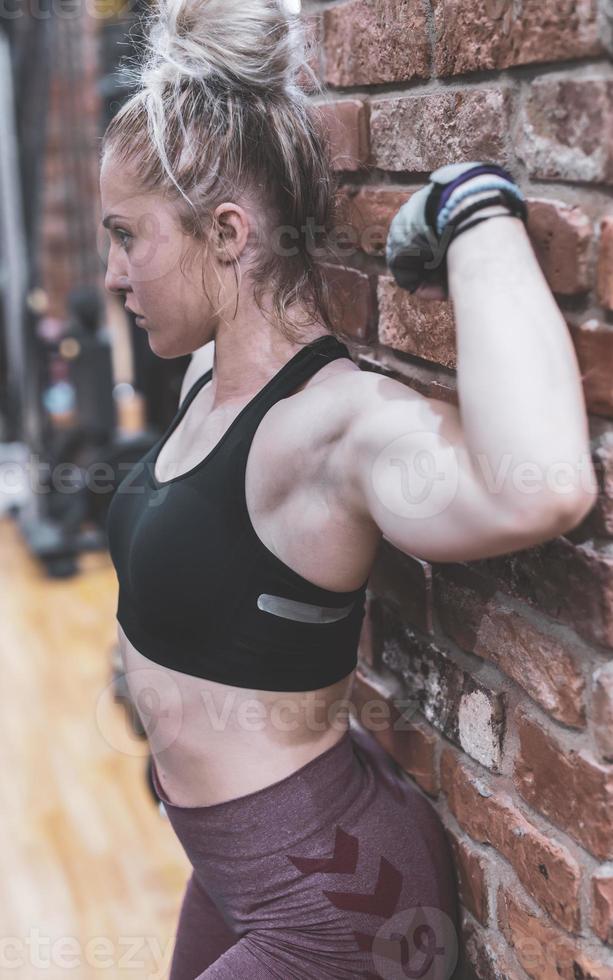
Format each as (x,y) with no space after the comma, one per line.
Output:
(92,874)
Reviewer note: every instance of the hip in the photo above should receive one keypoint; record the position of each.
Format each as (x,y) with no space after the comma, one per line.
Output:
(339,846)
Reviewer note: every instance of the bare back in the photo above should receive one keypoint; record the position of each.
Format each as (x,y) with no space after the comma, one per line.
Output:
(213,741)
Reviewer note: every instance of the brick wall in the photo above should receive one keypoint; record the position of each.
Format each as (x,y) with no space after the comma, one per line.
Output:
(503,667)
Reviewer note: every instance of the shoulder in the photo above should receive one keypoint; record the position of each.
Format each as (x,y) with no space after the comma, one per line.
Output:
(382,406)
(364,407)
(366,413)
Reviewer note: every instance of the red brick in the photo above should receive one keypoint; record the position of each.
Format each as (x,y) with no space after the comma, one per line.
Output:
(367,44)
(565,128)
(589,964)
(404,582)
(558,781)
(471,870)
(369,211)
(352,294)
(546,868)
(487,955)
(561,236)
(472,35)
(417,133)
(491,628)
(602,903)
(465,710)
(544,952)
(605,263)
(428,380)
(573,583)
(602,711)
(594,346)
(345,124)
(416,326)
(601,518)
(410,742)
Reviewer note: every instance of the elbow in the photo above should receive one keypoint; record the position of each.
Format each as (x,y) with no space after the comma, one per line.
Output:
(577,510)
(554,511)
(558,515)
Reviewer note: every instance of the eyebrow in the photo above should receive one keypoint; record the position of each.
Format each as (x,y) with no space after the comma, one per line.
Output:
(106,221)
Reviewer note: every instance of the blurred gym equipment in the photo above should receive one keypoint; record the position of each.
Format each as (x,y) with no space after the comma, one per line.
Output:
(62,503)
(63,408)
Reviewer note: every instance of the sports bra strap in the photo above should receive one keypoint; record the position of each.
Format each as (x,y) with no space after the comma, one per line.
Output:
(299,368)
(195,388)
(302,366)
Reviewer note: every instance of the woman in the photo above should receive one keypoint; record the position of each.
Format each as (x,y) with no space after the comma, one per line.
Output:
(243,541)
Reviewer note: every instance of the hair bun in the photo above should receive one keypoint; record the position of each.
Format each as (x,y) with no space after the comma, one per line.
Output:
(246,44)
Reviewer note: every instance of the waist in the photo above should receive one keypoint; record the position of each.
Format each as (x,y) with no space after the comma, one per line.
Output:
(233,766)
(212,741)
(314,789)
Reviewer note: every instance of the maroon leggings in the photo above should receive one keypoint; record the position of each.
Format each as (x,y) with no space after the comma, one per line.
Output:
(340,870)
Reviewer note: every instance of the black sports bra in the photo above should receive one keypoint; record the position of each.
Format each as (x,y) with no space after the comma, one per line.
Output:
(199,592)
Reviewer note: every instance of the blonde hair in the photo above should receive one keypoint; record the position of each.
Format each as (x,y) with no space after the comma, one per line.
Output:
(219,111)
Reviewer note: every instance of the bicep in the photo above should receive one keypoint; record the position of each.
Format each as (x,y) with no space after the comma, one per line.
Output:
(414,477)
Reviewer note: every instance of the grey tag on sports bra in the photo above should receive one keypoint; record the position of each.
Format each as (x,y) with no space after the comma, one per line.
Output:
(302,612)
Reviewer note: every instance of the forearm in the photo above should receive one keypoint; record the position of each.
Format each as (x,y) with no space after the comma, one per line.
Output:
(519,385)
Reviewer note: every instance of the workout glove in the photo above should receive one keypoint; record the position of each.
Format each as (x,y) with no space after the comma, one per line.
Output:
(424,227)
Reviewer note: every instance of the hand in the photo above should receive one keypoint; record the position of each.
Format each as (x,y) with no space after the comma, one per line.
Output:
(423,228)
(412,250)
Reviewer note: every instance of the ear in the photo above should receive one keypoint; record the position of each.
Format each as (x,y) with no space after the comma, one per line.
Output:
(231,228)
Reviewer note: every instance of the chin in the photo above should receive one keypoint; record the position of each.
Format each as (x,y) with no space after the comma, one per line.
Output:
(168,350)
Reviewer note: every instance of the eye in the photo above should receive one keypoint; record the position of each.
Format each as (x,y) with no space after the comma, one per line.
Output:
(123,236)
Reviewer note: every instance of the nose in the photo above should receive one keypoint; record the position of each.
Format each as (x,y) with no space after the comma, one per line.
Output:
(115,279)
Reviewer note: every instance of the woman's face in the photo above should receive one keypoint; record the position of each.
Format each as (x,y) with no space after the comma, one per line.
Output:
(146,246)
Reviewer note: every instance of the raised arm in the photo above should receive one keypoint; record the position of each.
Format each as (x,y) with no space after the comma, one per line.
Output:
(519,384)
(511,467)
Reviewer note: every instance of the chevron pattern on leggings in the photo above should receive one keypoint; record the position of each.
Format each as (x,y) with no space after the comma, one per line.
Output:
(381,902)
